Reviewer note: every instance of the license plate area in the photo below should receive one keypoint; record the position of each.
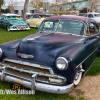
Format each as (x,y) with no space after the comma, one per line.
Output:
(16,86)
(21,28)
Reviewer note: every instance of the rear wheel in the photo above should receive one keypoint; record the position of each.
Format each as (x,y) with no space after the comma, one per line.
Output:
(78,76)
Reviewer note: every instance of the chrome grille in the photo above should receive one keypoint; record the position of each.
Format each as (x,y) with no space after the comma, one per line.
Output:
(27,69)
(20,26)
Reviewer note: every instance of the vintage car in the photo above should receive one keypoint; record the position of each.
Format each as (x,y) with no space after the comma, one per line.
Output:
(55,58)
(36,19)
(93,15)
(13,22)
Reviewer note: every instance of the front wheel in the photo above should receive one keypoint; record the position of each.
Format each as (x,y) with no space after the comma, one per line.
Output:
(8,29)
(78,76)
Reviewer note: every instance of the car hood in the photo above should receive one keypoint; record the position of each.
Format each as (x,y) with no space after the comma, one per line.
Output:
(18,22)
(43,46)
(37,19)
(96,18)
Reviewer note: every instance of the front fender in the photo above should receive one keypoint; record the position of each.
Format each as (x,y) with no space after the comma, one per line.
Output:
(7,46)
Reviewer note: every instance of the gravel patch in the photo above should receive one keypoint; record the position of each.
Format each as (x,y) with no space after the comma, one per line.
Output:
(89,88)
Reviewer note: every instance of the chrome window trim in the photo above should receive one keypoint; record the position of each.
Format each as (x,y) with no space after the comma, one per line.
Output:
(86,58)
(58,24)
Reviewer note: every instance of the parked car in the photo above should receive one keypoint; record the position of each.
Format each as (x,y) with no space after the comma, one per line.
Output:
(93,15)
(13,22)
(55,58)
(36,19)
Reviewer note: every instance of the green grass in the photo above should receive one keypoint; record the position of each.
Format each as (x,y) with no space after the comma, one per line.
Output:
(95,68)
(6,36)
(81,98)
(14,35)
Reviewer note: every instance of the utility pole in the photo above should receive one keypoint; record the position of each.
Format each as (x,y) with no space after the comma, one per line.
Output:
(37,6)
(43,6)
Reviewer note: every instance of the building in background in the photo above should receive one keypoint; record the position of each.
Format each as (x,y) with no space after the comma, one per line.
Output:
(18,7)
(76,5)
(72,5)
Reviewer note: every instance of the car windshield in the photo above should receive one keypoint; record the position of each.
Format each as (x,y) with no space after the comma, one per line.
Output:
(33,16)
(97,15)
(65,26)
(13,17)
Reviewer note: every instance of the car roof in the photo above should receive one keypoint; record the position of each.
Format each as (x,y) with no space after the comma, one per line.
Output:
(93,13)
(38,14)
(10,14)
(70,17)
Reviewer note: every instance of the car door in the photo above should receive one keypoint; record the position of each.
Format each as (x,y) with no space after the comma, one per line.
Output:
(2,20)
(93,38)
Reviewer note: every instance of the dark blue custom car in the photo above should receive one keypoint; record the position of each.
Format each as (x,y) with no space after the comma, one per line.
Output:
(55,58)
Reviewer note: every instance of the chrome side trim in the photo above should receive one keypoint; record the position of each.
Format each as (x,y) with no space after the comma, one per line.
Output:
(88,68)
(40,86)
(86,58)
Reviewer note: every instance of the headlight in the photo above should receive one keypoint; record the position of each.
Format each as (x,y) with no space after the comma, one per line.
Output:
(11,23)
(27,21)
(61,63)
(0,52)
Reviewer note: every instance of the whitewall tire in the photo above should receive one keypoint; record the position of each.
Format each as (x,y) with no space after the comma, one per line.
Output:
(78,77)
(8,29)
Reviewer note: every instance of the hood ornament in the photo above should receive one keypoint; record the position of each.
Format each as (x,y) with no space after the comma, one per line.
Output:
(30,39)
(25,55)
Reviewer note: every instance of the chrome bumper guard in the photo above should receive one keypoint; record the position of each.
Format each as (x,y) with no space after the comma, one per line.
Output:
(37,86)
(32,84)
(14,29)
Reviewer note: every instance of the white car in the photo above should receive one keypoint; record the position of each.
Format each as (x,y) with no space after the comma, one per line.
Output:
(93,15)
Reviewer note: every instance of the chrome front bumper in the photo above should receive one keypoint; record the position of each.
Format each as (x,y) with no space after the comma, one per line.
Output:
(33,85)
(14,29)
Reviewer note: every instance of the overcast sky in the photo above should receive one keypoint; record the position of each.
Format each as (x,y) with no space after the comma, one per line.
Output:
(10,1)
(22,0)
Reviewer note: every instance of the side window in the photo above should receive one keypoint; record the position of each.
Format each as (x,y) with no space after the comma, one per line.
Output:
(90,15)
(36,16)
(3,17)
(90,29)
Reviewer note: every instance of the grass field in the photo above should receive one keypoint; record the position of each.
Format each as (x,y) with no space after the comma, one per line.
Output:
(14,35)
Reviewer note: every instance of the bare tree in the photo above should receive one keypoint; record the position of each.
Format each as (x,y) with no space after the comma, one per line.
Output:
(25,9)
(93,5)
(11,5)
(1,3)
(11,8)
(59,3)
(36,4)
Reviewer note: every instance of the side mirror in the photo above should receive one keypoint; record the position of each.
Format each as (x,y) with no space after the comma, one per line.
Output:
(85,42)
(97,31)
(39,17)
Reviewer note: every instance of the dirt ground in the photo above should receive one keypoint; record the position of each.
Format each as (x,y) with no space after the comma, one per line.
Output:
(89,88)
